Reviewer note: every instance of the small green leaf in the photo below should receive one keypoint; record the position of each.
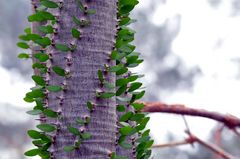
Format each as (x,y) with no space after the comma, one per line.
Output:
(143,123)
(121,90)
(73,130)
(134,86)
(138,95)
(91,11)
(69,148)
(108,85)
(80,121)
(23,56)
(76,20)
(75,33)
(28,30)
(38,80)
(46,29)
(32,152)
(121,108)
(46,127)
(34,134)
(100,76)
(125,145)
(86,136)
(116,68)
(62,47)
(80,23)
(54,88)
(58,70)
(121,81)
(105,95)
(44,42)
(126,130)
(137,117)
(126,116)
(35,94)
(34,112)
(49,4)
(80,5)
(41,57)
(41,16)
(137,106)
(50,113)
(23,45)
(90,106)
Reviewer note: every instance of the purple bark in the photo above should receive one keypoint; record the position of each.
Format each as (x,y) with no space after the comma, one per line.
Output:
(93,50)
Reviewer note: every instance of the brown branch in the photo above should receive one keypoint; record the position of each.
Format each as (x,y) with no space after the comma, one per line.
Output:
(228,120)
(193,139)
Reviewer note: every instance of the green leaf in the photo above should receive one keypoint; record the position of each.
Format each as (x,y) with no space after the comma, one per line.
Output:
(91,11)
(38,80)
(106,95)
(134,86)
(23,45)
(116,68)
(69,148)
(80,5)
(41,57)
(34,134)
(80,23)
(138,95)
(80,121)
(46,29)
(121,81)
(76,20)
(35,94)
(126,116)
(121,108)
(54,88)
(46,127)
(32,152)
(50,113)
(124,21)
(49,4)
(121,90)
(143,123)
(62,47)
(137,117)
(126,130)
(73,130)
(34,112)
(125,145)
(137,106)
(58,70)
(86,136)
(28,30)
(23,56)
(108,85)
(75,33)
(90,106)
(41,16)
(44,42)
(100,76)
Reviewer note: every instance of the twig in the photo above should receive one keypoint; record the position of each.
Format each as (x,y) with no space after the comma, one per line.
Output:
(228,120)
(192,139)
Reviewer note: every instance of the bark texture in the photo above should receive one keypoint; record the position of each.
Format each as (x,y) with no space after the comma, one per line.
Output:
(93,50)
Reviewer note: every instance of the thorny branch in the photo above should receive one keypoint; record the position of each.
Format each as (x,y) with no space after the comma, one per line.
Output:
(193,139)
(229,121)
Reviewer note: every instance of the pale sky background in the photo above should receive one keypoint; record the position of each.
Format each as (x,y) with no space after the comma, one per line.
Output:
(209,38)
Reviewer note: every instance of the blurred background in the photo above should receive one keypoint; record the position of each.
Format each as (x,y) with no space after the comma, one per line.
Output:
(192,57)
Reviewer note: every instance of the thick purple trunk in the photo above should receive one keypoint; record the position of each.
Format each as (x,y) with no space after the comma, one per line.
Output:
(93,50)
